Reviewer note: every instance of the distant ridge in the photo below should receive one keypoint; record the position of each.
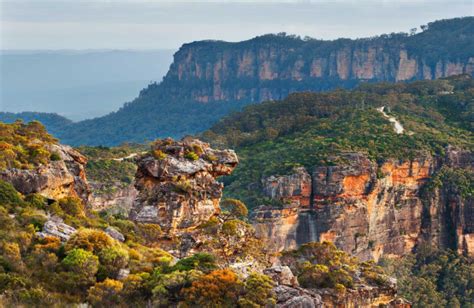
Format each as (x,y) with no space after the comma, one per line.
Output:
(209,79)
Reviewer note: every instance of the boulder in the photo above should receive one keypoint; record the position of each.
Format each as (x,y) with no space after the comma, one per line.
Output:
(115,234)
(57,228)
(282,275)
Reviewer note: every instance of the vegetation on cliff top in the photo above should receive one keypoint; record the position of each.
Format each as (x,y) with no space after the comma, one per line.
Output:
(310,129)
(24,146)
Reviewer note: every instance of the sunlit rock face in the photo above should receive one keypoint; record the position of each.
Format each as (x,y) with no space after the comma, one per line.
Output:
(118,200)
(58,179)
(271,67)
(369,209)
(177,186)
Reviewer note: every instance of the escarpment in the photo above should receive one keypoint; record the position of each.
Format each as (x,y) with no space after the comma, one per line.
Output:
(272,66)
(371,209)
(260,72)
(177,187)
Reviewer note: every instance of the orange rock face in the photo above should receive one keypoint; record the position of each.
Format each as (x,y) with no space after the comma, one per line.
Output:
(258,71)
(371,210)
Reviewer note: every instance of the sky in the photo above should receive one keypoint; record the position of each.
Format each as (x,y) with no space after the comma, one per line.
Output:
(165,24)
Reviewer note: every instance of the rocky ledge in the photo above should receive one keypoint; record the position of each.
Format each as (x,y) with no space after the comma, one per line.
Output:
(64,177)
(176,183)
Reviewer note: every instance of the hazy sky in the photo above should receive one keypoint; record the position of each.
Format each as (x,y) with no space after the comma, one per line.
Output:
(155,24)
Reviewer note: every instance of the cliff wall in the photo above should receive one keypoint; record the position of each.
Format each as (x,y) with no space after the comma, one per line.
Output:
(272,66)
(369,209)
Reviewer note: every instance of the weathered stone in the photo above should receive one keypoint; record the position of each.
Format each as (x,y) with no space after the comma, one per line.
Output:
(282,275)
(57,228)
(63,178)
(115,234)
(123,273)
(369,209)
(119,200)
(289,297)
(294,189)
(179,190)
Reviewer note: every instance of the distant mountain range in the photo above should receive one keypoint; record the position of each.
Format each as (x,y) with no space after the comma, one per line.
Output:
(209,79)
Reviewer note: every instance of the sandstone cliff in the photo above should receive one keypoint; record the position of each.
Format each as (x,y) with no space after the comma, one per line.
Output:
(369,209)
(272,66)
(177,186)
(61,178)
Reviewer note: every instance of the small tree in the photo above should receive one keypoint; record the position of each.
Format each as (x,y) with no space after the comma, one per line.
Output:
(258,292)
(219,288)
(234,208)
(82,262)
(90,240)
(80,267)
(105,293)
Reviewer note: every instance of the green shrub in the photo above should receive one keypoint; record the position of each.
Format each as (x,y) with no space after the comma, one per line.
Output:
(230,227)
(9,196)
(81,261)
(112,259)
(191,155)
(72,206)
(55,157)
(258,291)
(211,226)
(158,154)
(203,262)
(149,232)
(37,201)
(89,240)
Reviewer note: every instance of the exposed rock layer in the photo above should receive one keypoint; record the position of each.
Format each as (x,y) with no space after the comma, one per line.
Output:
(271,67)
(369,209)
(118,200)
(58,179)
(178,189)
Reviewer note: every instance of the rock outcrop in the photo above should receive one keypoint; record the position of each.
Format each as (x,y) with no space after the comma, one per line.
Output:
(55,227)
(60,178)
(290,294)
(177,186)
(369,209)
